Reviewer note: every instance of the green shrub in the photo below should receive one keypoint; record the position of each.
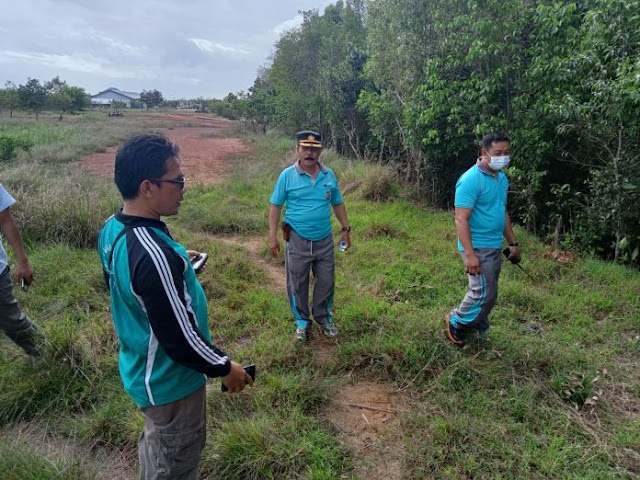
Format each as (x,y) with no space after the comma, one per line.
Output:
(9,147)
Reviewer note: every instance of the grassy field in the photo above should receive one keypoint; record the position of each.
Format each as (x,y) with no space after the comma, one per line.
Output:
(553,393)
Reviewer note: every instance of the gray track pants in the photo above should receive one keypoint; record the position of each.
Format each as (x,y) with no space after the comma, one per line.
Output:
(303,256)
(173,438)
(473,312)
(13,321)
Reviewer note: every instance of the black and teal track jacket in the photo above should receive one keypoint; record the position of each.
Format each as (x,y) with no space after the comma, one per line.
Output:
(159,311)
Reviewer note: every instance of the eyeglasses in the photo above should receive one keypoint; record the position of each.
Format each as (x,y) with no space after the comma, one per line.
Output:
(180,181)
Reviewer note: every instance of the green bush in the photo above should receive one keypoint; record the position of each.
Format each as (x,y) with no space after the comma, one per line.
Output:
(9,147)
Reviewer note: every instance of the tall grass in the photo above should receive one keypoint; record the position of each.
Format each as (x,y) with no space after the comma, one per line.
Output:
(59,204)
(75,136)
(20,464)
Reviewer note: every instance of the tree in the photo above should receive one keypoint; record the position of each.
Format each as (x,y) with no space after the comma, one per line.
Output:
(9,97)
(602,111)
(152,98)
(32,96)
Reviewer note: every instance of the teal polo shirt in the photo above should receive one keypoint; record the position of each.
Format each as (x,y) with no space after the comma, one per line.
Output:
(308,200)
(486,196)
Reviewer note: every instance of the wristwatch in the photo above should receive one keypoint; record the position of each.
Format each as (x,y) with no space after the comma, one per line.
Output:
(514,244)
(346,229)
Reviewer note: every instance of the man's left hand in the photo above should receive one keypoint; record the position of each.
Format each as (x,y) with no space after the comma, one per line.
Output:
(345,237)
(24,271)
(514,253)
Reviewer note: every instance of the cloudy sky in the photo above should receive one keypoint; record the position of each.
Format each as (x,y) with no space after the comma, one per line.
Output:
(184,48)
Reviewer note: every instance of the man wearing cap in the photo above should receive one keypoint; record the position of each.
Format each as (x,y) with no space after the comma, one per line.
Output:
(482,221)
(309,189)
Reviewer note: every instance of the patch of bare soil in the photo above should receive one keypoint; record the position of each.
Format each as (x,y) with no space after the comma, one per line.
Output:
(365,415)
(205,148)
(106,462)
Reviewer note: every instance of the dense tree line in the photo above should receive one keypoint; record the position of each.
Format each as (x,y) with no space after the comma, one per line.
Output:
(417,83)
(34,96)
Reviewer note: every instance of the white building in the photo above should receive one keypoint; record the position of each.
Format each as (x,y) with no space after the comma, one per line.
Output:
(112,94)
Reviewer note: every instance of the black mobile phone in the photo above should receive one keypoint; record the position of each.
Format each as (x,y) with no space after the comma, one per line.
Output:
(250,369)
(199,262)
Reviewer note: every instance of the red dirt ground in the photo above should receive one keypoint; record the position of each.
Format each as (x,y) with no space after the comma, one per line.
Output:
(204,148)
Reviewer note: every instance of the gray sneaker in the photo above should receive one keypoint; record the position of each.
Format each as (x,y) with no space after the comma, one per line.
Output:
(301,335)
(329,330)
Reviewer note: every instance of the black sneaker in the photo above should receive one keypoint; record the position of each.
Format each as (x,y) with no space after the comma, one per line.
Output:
(453,334)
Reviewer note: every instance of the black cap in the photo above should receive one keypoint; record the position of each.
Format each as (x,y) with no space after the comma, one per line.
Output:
(308,138)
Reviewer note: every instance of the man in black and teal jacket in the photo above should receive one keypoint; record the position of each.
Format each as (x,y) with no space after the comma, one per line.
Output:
(160,312)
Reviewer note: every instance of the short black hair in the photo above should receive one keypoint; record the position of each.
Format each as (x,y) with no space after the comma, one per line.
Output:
(141,158)
(489,138)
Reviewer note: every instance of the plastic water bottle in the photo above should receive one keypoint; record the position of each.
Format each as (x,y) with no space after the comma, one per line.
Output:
(342,246)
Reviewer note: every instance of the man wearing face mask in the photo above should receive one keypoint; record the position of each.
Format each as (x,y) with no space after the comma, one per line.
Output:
(481,222)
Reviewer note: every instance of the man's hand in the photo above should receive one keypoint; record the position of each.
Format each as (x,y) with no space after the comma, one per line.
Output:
(471,263)
(24,271)
(193,254)
(274,246)
(514,254)
(345,237)
(236,379)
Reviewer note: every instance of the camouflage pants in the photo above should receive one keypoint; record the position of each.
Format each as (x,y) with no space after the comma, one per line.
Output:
(13,321)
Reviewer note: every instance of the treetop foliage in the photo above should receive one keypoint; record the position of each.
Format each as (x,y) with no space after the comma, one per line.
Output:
(418,84)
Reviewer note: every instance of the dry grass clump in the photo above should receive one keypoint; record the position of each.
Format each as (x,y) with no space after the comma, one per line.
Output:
(62,204)
(371,181)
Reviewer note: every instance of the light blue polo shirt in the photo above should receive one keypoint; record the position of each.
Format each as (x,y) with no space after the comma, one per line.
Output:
(6,201)
(308,200)
(486,195)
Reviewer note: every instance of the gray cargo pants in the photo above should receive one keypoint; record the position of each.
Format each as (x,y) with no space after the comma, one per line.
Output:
(173,438)
(303,256)
(13,321)
(473,312)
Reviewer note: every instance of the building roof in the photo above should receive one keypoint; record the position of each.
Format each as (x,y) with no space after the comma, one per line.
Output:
(131,95)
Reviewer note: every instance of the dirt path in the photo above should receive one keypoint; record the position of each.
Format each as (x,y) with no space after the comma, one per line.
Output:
(365,414)
(366,417)
(205,148)
(275,274)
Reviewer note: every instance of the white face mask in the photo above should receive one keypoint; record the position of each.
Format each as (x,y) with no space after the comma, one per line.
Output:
(498,163)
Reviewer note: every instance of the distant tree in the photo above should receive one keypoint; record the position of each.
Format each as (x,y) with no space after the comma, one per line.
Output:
(32,96)
(9,97)
(65,98)
(152,98)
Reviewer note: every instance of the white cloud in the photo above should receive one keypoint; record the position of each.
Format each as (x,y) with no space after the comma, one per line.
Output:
(211,47)
(74,63)
(123,47)
(288,25)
